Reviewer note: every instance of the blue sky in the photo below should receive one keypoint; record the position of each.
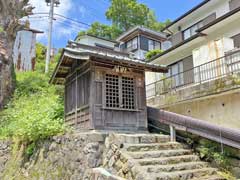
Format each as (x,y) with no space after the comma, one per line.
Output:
(88,11)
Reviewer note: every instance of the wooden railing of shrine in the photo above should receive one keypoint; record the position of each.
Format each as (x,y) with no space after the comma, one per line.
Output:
(223,135)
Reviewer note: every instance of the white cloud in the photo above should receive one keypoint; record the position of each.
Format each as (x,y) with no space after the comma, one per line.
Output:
(82,10)
(60,30)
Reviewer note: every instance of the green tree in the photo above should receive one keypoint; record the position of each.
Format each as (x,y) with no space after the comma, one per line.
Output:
(125,14)
(102,30)
(40,52)
(129,13)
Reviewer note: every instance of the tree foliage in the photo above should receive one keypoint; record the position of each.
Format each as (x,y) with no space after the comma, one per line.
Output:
(125,14)
(102,30)
(41,58)
(129,13)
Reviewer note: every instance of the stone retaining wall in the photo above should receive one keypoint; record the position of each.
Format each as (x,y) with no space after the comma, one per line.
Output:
(63,157)
(5,153)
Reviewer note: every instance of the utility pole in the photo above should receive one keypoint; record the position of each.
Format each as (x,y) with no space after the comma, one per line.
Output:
(51,12)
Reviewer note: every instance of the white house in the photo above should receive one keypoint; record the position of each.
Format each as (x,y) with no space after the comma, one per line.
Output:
(92,40)
(139,40)
(204,64)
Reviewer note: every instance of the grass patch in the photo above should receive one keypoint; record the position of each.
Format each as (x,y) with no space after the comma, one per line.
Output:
(35,111)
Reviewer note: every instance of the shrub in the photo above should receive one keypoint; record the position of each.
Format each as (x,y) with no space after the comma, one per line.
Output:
(35,112)
(152,53)
(211,151)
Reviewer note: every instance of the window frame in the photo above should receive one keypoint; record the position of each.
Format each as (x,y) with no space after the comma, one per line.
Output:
(192,32)
(120,90)
(132,44)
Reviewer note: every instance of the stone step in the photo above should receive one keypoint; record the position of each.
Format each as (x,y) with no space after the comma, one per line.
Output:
(167,160)
(160,153)
(152,146)
(175,167)
(142,138)
(211,177)
(183,175)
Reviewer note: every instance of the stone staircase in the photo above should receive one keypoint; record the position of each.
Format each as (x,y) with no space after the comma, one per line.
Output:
(154,157)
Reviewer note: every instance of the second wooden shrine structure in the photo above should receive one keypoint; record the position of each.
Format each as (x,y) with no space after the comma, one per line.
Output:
(104,89)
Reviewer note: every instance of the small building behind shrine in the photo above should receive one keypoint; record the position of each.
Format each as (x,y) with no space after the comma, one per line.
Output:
(24,51)
(104,89)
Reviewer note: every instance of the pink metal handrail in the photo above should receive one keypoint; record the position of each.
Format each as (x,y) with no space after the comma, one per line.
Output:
(227,136)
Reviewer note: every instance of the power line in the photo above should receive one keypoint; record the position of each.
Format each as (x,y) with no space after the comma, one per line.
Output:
(77,29)
(73,20)
(69,23)
(62,21)
(76,21)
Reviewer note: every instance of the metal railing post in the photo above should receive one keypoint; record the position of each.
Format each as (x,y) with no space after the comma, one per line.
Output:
(172,134)
(199,74)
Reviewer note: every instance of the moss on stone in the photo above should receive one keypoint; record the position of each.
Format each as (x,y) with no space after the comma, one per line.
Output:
(1,29)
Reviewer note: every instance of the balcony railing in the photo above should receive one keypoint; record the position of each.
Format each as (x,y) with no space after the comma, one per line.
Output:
(218,68)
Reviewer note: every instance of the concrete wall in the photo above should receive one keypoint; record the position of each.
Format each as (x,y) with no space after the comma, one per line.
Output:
(216,101)
(222,110)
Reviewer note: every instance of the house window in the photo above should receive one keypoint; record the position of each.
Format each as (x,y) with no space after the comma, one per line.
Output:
(176,74)
(135,43)
(192,30)
(153,45)
(127,93)
(150,45)
(157,45)
(112,91)
(132,44)
(236,41)
(120,92)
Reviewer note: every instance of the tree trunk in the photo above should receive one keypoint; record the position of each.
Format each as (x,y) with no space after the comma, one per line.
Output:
(10,13)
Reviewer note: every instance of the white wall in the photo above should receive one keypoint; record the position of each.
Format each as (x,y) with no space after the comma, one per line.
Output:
(90,41)
(212,50)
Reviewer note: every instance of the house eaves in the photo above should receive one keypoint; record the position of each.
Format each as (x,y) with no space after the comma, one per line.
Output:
(199,33)
(186,14)
(227,15)
(139,30)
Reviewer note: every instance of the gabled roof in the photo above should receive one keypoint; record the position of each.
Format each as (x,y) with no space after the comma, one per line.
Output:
(82,53)
(186,14)
(141,30)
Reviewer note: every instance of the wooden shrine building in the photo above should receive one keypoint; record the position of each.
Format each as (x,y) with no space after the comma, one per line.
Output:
(104,89)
